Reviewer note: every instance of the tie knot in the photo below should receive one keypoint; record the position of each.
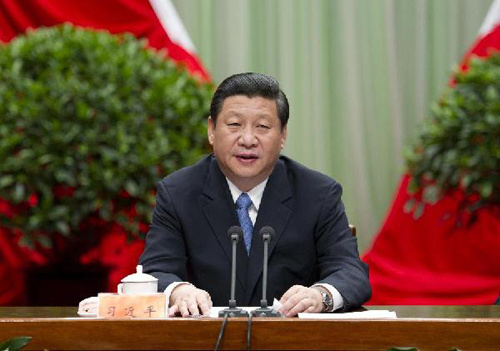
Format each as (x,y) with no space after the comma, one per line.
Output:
(243,201)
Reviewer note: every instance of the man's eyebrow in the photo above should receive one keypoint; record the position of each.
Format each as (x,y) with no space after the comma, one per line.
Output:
(234,113)
(259,115)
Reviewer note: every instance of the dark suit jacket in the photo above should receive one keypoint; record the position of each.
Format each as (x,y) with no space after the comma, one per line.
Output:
(188,240)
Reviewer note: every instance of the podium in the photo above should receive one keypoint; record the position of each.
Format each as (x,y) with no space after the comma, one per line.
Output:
(440,328)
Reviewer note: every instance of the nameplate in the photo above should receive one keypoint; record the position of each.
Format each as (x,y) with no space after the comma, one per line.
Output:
(131,306)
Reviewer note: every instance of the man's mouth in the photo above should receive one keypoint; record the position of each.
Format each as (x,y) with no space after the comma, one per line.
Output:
(246,157)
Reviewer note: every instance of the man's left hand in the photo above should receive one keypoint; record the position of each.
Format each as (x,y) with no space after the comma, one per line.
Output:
(300,299)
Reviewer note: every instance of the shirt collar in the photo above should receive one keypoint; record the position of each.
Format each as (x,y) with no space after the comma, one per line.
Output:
(255,193)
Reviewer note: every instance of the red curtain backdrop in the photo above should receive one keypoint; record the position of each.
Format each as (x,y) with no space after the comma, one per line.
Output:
(116,16)
(428,261)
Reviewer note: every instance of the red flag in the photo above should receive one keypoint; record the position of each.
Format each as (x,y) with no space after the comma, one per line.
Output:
(489,35)
(428,261)
(155,20)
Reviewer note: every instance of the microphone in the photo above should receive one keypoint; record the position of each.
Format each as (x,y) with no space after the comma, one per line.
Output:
(235,233)
(267,234)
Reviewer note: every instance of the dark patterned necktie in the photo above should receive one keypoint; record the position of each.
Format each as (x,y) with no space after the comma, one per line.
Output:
(242,204)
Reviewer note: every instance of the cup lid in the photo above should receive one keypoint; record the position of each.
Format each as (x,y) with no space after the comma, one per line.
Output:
(139,277)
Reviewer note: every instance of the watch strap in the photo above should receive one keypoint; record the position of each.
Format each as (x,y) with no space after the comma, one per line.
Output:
(326,298)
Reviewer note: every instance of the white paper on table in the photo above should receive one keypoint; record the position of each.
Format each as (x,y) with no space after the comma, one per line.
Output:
(373,314)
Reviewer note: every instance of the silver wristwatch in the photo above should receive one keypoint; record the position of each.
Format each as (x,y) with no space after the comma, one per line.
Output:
(327,300)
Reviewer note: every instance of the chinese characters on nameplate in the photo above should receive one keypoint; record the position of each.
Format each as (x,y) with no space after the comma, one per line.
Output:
(131,306)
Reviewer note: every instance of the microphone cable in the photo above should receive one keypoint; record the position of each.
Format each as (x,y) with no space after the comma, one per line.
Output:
(221,333)
(223,329)
(249,331)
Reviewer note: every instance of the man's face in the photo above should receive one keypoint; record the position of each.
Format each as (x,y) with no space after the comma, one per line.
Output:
(247,139)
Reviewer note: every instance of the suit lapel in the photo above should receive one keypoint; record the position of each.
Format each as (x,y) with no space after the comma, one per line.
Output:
(220,212)
(274,211)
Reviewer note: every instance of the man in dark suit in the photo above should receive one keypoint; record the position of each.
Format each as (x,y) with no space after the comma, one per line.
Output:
(314,264)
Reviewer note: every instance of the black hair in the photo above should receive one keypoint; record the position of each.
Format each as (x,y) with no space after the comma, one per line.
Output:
(251,85)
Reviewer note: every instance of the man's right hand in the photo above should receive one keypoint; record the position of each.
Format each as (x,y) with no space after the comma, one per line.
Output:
(187,300)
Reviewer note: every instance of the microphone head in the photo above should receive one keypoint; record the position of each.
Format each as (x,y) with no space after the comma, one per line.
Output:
(267,233)
(235,233)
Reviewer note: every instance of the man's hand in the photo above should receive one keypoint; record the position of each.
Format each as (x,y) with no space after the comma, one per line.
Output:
(300,299)
(186,300)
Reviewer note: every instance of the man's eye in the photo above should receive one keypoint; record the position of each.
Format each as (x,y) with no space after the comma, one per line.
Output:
(263,126)
(234,124)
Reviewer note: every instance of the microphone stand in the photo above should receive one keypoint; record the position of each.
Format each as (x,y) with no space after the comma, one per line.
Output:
(235,233)
(264,311)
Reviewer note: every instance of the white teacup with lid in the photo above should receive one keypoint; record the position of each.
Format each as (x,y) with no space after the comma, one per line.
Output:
(138,283)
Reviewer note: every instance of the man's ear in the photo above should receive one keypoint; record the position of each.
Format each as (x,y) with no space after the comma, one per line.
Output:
(210,130)
(283,136)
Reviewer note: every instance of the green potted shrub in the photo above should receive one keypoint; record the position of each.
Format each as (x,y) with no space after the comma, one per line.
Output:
(459,148)
(15,344)
(89,123)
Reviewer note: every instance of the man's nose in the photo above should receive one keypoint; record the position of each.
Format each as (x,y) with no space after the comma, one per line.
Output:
(247,138)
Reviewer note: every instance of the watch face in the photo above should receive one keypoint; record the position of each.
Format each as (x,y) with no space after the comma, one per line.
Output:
(327,301)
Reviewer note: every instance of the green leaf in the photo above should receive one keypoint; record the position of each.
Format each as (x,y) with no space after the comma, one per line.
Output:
(63,228)
(409,205)
(6,180)
(18,193)
(431,194)
(491,93)
(486,190)
(419,210)
(105,210)
(27,241)
(15,343)
(466,180)
(44,159)
(58,212)
(131,187)
(34,221)
(45,241)
(413,186)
